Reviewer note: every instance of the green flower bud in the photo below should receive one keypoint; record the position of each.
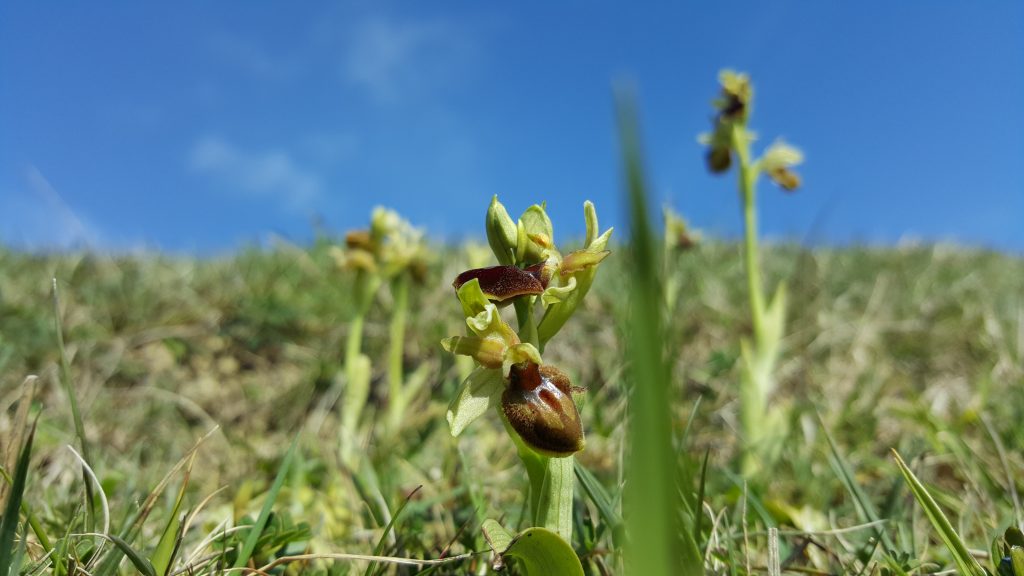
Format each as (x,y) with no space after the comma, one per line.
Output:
(501,232)
(383,222)
(535,234)
(539,406)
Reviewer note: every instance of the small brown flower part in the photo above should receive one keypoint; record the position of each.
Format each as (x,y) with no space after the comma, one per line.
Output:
(538,404)
(787,179)
(719,159)
(359,239)
(541,271)
(500,283)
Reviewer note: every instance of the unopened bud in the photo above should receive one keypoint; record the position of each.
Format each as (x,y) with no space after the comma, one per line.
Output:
(501,233)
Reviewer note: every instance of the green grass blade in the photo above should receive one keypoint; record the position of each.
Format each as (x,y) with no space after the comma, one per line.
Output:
(19,555)
(658,543)
(698,512)
(257,528)
(600,497)
(140,563)
(133,524)
(76,414)
(379,550)
(9,525)
(163,555)
(965,563)
(865,508)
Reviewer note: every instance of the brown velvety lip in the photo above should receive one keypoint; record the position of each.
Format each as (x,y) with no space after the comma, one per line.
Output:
(499,283)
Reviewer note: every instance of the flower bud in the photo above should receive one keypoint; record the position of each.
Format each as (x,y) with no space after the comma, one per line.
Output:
(501,232)
(535,235)
(538,404)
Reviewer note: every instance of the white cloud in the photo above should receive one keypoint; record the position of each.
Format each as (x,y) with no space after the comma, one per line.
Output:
(270,174)
(391,58)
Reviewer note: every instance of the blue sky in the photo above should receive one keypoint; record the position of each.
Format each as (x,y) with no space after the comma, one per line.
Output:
(201,127)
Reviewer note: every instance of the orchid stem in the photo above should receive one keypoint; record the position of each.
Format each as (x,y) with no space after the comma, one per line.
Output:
(396,397)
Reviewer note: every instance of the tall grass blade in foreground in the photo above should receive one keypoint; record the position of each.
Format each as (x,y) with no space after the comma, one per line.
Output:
(9,525)
(169,541)
(658,543)
(965,563)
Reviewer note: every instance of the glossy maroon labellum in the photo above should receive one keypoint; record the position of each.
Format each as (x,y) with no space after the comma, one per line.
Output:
(500,283)
(538,404)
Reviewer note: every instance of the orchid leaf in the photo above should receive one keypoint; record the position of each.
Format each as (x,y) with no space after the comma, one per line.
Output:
(540,551)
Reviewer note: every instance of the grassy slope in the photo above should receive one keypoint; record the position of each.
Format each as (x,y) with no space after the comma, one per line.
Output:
(910,348)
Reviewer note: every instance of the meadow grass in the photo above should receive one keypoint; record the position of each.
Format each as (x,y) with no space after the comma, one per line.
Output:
(917,348)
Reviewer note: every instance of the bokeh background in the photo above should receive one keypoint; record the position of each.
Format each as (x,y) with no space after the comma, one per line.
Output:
(200,127)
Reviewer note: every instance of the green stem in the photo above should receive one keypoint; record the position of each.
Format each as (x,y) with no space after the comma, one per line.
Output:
(757,379)
(748,194)
(526,321)
(396,398)
(356,386)
(552,481)
(354,344)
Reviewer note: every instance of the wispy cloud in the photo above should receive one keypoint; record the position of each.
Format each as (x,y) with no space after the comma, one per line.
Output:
(269,174)
(252,58)
(392,58)
(41,218)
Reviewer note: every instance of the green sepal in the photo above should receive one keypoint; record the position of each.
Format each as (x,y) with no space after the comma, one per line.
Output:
(489,352)
(590,217)
(482,316)
(581,260)
(556,294)
(583,271)
(480,392)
